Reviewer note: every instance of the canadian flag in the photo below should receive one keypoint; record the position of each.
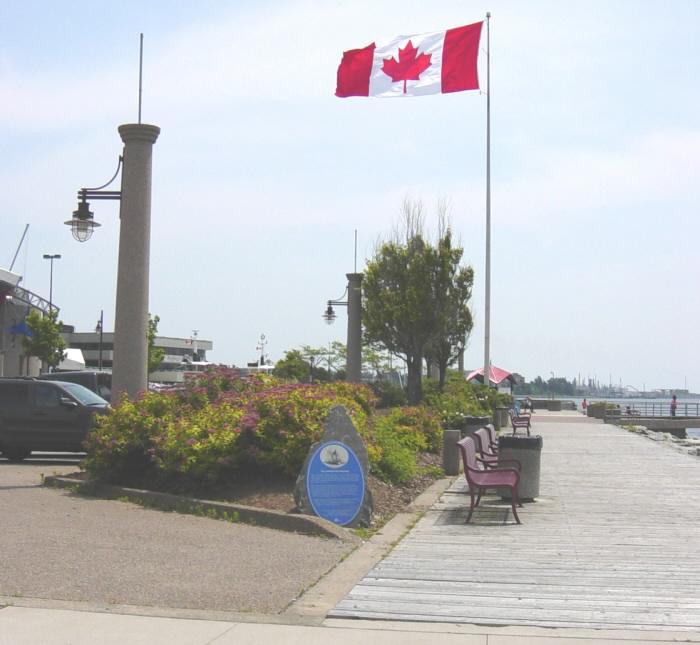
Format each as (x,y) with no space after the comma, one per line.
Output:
(434,63)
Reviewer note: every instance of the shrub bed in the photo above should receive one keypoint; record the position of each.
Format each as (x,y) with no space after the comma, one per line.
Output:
(460,399)
(221,424)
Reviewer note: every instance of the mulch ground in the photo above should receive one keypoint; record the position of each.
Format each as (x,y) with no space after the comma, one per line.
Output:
(277,493)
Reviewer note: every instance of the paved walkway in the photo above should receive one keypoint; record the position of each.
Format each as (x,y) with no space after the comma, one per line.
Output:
(613,542)
(70,548)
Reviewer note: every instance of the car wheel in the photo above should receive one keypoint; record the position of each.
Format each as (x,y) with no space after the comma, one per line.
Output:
(16,454)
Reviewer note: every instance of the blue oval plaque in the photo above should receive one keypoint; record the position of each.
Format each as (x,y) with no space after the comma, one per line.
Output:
(335,483)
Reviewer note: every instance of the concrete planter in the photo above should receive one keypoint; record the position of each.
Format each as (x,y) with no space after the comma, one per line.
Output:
(450,451)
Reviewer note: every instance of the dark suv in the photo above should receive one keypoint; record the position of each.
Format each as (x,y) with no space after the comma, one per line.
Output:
(45,415)
(99,382)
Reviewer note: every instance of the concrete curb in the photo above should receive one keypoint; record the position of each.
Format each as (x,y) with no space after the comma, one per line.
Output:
(305,524)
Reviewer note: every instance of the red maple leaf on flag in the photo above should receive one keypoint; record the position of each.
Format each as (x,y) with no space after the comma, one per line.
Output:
(409,67)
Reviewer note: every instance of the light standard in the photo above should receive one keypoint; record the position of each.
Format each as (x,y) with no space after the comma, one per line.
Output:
(130,363)
(354,305)
(100,327)
(51,258)
(261,348)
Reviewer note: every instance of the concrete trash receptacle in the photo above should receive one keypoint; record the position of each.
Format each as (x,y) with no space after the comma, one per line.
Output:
(501,418)
(527,450)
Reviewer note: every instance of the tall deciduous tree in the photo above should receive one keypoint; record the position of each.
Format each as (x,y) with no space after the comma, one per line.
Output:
(416,297)
(452,290)
(45,340)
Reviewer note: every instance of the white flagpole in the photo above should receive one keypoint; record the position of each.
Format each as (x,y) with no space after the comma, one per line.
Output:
(487,272)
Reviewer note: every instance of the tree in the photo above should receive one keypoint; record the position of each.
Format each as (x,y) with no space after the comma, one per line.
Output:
(293,366)
(452,290)
(334,356)
(44,339)
(415,297)
(155,354)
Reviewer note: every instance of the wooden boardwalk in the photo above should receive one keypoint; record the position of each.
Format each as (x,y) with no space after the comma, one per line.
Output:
(613,542)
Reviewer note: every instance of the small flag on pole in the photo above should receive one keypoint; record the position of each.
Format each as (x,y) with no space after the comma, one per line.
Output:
(433,63)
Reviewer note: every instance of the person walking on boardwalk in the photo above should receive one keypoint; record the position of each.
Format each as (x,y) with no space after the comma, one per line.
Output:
(674,403)
(584,406)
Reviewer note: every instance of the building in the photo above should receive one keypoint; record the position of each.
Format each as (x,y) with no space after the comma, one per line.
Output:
(502,380)
(15,303)
(182,355)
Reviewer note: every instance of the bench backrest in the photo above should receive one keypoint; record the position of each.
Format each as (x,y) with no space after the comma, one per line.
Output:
(492,434)
(484,440)
(468,451)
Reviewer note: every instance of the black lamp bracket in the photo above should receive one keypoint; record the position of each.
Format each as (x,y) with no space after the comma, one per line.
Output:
(97,193)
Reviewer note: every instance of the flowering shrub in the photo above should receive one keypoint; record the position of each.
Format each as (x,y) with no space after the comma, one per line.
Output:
(120,443)
(218,423)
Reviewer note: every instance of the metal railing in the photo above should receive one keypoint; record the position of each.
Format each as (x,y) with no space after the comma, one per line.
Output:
(659,409)
(31,299)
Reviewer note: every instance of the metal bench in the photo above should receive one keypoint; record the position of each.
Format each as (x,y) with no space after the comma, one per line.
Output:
(488,451)
(520,421)
(481,480)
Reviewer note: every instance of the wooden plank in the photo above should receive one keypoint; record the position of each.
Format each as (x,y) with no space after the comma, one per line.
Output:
(599,549)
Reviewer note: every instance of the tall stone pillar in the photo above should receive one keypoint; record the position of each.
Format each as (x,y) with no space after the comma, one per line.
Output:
(130,366)
(354,365)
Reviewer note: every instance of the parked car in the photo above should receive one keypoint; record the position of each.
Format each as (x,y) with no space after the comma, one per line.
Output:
(45,415)
(99,382)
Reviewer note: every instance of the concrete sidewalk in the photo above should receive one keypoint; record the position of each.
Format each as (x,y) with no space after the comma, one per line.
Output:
(39,626)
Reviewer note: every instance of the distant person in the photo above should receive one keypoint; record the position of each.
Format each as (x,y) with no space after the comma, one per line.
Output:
(584,406)
(674,403)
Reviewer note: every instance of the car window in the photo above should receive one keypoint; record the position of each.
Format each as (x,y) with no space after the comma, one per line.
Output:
(82,394)
(46,396)
(104,392)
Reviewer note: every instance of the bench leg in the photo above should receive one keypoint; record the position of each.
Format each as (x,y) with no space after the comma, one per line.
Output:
(515,501)
(471,506)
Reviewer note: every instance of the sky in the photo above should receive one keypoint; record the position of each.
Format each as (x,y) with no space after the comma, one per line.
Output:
(261,176)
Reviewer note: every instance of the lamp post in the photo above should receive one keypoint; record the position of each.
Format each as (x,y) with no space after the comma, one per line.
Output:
(100,327)
(261,348)
(354,305)
(130,364)
(51,258)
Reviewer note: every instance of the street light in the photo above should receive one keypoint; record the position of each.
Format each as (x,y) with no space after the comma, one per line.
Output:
(51,258)
(130,362)
(261,348)
(83,223)
(354,305)
(100,327)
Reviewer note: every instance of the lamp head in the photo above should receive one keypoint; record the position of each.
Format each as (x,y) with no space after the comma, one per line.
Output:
(329,315)
(83,223)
